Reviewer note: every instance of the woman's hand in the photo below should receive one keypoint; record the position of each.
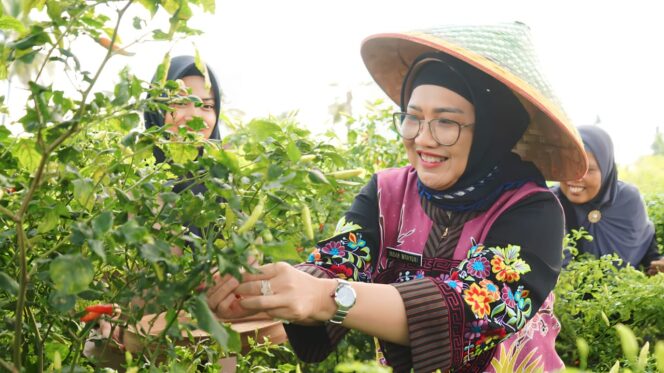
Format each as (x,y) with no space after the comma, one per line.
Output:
(223,301)
(656,266)
(221,297)
(287,293)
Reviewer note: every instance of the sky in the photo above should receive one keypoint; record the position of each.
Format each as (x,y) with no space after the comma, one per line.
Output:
(604,59)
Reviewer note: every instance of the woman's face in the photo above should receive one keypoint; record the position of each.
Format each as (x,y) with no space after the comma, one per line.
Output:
(185,112)
(585,189)
(439,167)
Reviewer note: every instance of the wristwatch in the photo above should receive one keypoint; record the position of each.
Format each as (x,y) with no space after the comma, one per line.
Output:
(344,296)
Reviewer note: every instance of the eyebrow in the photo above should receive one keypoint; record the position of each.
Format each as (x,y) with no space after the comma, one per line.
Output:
(439,109)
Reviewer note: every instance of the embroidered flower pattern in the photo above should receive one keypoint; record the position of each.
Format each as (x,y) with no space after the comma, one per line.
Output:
(479,300)
(334,248)
(487,280)
(491,288)
(344,226)
(453,282)
(508,296)
(476,328)
(346,254)
(507,265)
(478,267)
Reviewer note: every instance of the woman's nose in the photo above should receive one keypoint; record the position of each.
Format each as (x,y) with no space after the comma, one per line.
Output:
(189,111)
(425,137)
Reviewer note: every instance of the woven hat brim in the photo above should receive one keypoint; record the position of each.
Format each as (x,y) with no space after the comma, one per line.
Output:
(551,142)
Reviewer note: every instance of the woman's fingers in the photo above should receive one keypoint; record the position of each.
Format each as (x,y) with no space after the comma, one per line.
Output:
(251,288)
(221,289)
(265,272)
(262,302)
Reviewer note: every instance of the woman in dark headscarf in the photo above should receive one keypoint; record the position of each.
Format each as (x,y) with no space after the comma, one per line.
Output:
(456,252)
(184,68)
(612,211)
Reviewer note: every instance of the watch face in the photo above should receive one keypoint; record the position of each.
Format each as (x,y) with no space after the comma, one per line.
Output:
(345,296)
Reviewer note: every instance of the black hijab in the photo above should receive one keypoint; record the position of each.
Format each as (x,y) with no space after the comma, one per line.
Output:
(180,67)
(624,227)
(500,121)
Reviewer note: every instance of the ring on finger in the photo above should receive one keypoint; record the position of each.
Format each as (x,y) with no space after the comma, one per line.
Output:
(266,289)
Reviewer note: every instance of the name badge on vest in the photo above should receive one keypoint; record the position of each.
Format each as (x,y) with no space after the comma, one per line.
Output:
(404,256)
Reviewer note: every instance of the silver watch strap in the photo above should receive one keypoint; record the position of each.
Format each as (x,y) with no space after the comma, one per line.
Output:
(342,311)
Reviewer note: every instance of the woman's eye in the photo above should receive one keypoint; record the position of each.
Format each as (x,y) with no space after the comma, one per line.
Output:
(447,121)
(208,107)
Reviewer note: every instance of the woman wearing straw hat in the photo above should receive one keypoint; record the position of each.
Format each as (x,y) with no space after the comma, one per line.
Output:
(610,210)
(446,258)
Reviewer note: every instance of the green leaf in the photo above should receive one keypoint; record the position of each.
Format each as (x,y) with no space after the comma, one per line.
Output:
(4,133)
(27,154)
(50,221)
(84,193)
(196,123)
(154,252)
(182,152)
(208,6)
(132,232)
(28,5)
(8,284)
(262,129)
(274,171)
(162,69)
(200,65)
(62,302)
(4,71)
(498,309)
(280,251)
(293,152)
(229,159)
(11,23)
(71,274)
(150,5)
(102,223)
(208,322)
(36,37)
(97,247)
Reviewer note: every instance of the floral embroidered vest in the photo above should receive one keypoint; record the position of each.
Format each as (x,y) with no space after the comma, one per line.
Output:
(404,231)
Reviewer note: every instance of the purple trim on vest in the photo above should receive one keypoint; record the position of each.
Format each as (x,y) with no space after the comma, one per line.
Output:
(478,228)
(405,226)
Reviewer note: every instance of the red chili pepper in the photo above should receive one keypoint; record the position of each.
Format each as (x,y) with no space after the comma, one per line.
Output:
(90,316)
(106,309)
(201,287)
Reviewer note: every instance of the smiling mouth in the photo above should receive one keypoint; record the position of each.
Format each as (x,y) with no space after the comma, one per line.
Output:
(576,189)
(429,158)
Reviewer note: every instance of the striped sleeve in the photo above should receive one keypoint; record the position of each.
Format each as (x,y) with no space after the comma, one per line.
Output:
(313,343)
(347,255)
(428,328)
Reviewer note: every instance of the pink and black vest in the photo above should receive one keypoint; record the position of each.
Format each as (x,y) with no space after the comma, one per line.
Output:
(404,230)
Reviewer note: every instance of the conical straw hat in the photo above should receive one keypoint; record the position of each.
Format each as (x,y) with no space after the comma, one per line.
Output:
(505,52)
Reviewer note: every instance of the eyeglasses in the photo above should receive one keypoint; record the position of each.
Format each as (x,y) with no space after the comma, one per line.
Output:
(446,132)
